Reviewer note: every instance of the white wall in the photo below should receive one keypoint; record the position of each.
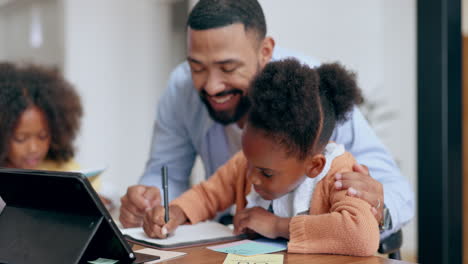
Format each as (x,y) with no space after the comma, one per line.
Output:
(377,39)
(349,31)
(16,19)
(119,54)
(400,86)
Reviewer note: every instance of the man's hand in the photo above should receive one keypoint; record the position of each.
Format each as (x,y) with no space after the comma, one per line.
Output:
(136,202)
(262,222)
(360,184)
(154,224)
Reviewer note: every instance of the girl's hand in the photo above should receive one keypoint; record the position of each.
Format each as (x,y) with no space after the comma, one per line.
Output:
(154,225)
(262,222)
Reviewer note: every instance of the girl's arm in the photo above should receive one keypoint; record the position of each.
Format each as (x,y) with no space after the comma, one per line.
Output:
(349,228)
(216,194)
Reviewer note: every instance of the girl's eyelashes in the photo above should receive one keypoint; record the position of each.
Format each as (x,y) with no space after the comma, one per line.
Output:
(19,138)
(44,136)
(266,173)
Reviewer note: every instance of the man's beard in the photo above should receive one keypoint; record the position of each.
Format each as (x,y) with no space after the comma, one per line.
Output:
(229,116)
(232,116)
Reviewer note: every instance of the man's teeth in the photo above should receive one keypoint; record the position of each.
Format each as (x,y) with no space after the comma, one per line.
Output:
(221,100)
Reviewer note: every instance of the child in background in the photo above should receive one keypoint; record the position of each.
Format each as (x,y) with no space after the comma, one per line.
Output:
(40,116)
(282,182)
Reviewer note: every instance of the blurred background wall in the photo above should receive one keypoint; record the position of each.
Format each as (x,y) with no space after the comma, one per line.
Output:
(119,53)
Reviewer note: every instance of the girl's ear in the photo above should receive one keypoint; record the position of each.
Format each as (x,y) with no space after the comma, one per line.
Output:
(315,165)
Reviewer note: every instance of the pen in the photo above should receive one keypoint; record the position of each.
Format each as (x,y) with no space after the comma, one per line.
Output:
(166,193)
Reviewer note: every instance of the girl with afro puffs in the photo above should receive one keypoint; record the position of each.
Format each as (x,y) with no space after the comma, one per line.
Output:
(282,182)
(40,116)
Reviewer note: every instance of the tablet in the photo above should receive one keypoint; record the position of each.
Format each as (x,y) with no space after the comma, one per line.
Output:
(55,217)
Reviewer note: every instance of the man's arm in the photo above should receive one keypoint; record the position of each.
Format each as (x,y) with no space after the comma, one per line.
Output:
(359,139)
(171,143)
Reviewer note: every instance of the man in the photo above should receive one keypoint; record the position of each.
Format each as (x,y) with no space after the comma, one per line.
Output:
(203,111)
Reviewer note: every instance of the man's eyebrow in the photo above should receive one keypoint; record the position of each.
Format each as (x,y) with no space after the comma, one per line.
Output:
(193,60)
(221,62)
(229,61)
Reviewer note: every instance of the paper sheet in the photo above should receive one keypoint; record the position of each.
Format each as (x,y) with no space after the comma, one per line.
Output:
(92,172)
(258,259)
(247,248)
(163,255)
(184,233)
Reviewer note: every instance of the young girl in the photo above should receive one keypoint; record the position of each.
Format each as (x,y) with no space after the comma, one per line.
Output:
(282,183)
(40,116)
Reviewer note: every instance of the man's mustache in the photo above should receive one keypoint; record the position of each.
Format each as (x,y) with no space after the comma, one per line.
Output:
(223,93)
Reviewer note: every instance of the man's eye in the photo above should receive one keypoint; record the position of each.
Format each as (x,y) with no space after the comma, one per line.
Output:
(228,69)
(197,69)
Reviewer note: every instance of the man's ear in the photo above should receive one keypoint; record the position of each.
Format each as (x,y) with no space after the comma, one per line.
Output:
(266,50)
(315,165)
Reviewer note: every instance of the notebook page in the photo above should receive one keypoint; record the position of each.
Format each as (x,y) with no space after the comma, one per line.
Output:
(184,233)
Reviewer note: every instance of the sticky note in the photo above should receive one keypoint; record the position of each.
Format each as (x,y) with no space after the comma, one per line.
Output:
(246,248)
(103,261)
(258,259)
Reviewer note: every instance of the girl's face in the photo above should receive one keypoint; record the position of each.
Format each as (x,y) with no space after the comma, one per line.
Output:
(274,173)
(30,141)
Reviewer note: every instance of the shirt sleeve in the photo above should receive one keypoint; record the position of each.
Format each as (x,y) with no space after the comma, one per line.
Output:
(359,139)
(349,229)
(215,194)
(171,144)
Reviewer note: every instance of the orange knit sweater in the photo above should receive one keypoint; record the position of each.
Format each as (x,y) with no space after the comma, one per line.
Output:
(336,224)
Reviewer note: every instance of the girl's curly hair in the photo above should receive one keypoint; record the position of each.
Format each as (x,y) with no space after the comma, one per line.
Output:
(32,85)
(299,106)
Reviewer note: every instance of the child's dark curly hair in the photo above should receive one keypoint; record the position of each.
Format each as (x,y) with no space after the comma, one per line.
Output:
(298,106)
(32,85)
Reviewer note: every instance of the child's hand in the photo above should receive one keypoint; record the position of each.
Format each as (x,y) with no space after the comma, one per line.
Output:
(262,222)
(154,225)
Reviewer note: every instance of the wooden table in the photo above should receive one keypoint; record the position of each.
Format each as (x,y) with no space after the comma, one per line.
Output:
(201,254)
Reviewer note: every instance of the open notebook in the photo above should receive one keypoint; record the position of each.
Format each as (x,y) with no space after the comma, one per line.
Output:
(184,236)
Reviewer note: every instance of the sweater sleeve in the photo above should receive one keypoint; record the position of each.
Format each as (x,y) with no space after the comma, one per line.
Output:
(216,194)
(349,228)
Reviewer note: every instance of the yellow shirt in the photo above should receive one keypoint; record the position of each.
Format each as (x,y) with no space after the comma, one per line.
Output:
(70,165)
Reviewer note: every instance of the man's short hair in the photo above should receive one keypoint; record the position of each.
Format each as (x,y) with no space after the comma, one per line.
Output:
(210,14)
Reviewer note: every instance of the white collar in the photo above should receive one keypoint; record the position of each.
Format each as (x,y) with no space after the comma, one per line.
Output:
(297,201)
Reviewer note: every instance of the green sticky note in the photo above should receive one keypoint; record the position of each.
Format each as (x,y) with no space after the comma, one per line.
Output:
(103,261)
(250,248)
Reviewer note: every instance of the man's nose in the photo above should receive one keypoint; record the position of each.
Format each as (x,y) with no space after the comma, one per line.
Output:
(214,84)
